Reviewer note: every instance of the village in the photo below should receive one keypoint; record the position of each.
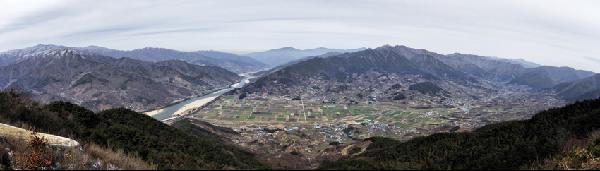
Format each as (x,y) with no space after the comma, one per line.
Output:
(308,129)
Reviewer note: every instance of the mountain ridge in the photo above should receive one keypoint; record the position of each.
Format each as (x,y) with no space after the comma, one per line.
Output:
(582,89)
(152,54)
(327,71)
(101,82)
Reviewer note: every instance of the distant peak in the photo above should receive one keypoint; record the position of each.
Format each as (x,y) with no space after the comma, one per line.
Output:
(460,54)
(48,45)
(64,50)
(387,46)
(55,52)
(39,47)
(96,47)
(155,49)
(287,48)
(395,46)
(42,49)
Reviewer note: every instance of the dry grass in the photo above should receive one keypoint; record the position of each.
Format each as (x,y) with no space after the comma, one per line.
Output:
(44,151)
(94,157)
(20,133)
(118,158)
(36,155)
(578,154)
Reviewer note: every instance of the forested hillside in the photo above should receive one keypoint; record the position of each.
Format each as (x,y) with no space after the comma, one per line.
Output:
(135,133)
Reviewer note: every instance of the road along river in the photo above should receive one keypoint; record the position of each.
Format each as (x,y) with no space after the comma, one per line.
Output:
(187,106)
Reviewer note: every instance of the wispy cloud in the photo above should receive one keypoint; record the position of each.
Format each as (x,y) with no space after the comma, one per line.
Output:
(33,19)
(168,31)
(546,32)
(596,60)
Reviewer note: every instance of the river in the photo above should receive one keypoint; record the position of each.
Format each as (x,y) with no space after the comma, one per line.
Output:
(186,106)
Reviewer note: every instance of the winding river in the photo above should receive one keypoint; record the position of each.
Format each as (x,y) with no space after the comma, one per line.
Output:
(189,105)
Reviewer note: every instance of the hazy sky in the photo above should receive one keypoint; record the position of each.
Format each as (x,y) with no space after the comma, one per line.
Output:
(548,32)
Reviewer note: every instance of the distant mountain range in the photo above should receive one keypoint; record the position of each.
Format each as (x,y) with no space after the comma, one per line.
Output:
(549,76)
(384,73)
(521,62)
(587,88)
(238,63)
(276,57)
(232,62)
(101,82)
(321,75)
(92,75)
(521,73)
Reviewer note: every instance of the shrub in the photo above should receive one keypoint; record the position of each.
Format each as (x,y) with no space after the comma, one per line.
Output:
(36,156)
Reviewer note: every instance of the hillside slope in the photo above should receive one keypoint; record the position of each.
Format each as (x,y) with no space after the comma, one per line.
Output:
(370,73)
(548,76)
(101,82)
(20,133)
(134,133)
(507,145)
(587,88)
(384,72)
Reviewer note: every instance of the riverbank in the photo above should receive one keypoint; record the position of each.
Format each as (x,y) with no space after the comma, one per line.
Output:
(156,111)
(192,104)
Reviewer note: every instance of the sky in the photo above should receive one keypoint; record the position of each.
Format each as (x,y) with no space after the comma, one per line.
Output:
(548,32)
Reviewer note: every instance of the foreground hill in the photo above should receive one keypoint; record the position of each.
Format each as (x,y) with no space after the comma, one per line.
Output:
(101,82)
(122,129)
(507,145)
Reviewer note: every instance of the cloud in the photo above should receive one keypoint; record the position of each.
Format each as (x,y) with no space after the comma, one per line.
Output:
(37,16)
(546,32)
(596,60)
(168,31)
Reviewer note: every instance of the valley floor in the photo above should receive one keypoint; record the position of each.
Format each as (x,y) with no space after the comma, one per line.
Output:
(287,133)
